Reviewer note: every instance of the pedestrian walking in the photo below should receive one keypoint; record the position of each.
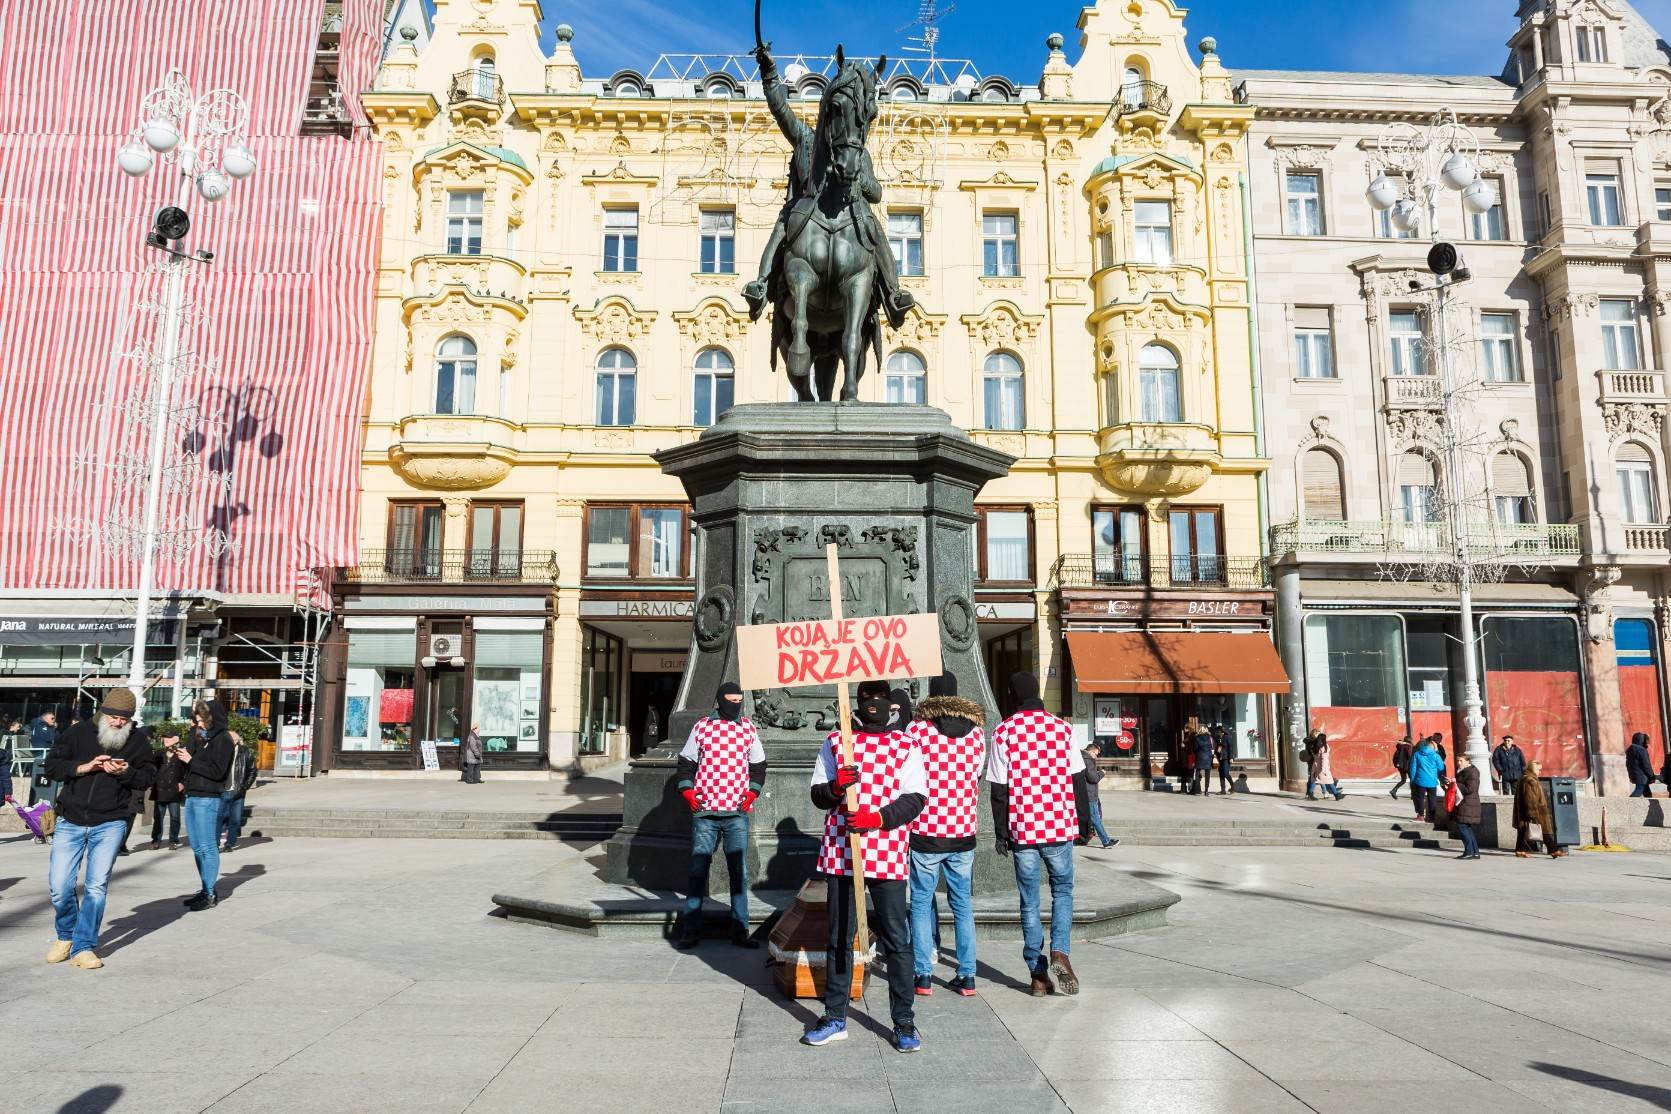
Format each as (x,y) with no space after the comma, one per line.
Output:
(1439,745)
(43,731)
(1531,806)
(1226,758)
(1306,756)
(1508,764)
(470,757)
(1427,770)
(207,757)
(1639,766)
(101,764)
(9,743)
(1401,763)
(1038,795)
(1322,767)
(1093,776)
(239,780)
(1201,780)
(948,733)
(1467,811)
(721,771)
(167,792)
(891,789)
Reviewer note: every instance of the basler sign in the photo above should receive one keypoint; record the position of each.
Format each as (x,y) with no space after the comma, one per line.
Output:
(832,651)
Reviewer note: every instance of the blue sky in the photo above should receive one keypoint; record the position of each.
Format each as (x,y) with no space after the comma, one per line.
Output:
(1003,37)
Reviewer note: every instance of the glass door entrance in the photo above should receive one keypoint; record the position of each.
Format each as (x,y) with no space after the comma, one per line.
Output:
(448,706)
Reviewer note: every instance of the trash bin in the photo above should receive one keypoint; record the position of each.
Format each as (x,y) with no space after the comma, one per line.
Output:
(1562,795)
(41,788)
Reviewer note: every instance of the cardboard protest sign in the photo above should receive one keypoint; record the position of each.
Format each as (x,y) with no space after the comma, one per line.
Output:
(838,651)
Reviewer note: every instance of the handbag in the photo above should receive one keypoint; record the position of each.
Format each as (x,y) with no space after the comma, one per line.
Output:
(1453,797)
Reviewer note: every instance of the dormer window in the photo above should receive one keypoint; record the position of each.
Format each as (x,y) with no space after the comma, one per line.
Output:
(1592,44)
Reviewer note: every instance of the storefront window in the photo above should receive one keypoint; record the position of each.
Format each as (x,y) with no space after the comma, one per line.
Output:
(1427,644)
(600,691)
(1636,641)
(1533,689)
(505,698)
(1237,713)
(1355,677)
(377,694)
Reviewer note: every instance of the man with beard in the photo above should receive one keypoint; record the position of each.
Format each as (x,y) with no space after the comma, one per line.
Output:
(948,733)
(103,764)
(721,772)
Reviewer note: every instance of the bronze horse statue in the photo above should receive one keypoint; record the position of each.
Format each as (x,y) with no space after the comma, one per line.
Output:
(827,269)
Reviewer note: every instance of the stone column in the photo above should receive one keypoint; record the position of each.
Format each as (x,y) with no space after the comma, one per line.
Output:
(563,714)
(1290,647)
(1601,682)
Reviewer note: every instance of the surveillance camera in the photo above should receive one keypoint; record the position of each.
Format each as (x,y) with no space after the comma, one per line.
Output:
(206,256)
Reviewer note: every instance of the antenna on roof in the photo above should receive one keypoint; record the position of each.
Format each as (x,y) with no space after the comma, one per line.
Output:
(928,14)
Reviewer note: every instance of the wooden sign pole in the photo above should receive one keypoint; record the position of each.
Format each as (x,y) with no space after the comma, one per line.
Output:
(844,710)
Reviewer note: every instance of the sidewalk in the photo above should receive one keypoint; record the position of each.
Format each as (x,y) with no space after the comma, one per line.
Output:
(599,791)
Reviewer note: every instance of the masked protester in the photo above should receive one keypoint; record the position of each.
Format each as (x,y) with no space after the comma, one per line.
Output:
(900,711)
(889,793)
(948,732)
(103,763)
(721,773)
(1038,797)
(868,689)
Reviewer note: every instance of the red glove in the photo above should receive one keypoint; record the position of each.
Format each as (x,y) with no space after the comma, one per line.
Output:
(690,799)
(866,819)
(846,777)
(749,797)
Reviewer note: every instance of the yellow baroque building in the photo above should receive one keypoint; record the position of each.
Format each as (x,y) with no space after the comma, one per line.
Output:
(561,262)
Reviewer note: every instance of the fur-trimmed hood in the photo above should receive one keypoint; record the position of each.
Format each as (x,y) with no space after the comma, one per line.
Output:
(953,716)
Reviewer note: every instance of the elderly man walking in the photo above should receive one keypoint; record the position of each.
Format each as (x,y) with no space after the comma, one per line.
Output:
(103,763)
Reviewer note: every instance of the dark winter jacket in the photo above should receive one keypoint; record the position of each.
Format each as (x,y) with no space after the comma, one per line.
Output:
(1093,772)
(1639,764)
(1468,784)
(211,755)
(98,797)
(169,776)
(1401,757)
(1203,750)
(1509,763)
(42,734)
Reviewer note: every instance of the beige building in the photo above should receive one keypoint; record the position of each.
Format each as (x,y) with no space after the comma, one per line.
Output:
(1558,341)
(561,263)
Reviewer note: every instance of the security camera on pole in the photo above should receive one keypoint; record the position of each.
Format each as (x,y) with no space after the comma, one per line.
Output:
(204,137)
(1431,161)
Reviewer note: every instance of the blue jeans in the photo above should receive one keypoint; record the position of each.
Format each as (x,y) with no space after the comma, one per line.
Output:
(203,829)
(926,869)
(1058,861)
(78,921)
(1470,842)
(1642,789)
(707,832)
(232,817)
(1096,816)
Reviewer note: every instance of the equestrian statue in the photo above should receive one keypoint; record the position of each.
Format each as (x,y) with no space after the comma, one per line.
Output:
(827,269)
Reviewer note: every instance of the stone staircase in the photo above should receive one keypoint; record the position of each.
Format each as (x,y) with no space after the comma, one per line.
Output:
(1367,832)
(341,823)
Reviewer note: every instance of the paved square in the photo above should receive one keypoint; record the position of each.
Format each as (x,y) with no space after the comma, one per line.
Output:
(368,975)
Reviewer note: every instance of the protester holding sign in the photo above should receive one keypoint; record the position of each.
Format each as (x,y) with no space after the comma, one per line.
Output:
(953,746)
(887,772)
(1038,796)
(721,772)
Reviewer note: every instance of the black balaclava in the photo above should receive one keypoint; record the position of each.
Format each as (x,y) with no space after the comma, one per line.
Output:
(903,699)
(726,709)
(873,714)
(1024,688)
(873,688)
(943,685)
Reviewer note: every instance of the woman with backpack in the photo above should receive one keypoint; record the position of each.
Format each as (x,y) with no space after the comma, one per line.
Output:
(1322,770)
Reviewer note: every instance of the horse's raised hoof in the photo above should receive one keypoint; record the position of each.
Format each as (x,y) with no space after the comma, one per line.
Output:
(755,295)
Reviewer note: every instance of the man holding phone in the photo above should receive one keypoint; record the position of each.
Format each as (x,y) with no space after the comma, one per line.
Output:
(102,763)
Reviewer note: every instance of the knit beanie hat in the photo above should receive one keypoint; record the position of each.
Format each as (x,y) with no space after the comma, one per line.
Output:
(119,702)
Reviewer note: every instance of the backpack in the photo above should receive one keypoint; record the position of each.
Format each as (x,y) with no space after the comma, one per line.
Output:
(239,773)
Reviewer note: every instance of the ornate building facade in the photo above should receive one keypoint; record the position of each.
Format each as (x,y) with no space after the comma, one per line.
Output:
(559,298)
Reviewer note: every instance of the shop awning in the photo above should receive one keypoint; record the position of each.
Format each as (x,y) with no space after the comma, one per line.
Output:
(1175,661)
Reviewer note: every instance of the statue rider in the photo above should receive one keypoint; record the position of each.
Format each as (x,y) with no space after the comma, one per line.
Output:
(896,302)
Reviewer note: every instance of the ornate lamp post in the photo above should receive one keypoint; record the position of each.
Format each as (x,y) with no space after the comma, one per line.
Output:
(1431,161)
(204,137)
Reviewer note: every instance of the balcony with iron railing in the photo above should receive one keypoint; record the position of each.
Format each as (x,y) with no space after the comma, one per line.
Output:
(476,86)
(452,566)
(1144,96)
(1191,572)
(1530,542)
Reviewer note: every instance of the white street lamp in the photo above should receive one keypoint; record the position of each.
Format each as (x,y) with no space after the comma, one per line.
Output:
(188,130)
(1382,193)
(1406,215)
(1478,197)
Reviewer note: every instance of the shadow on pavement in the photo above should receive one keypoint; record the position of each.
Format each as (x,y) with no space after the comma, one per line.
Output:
(94,1100)
(153,915)
(1656,1096)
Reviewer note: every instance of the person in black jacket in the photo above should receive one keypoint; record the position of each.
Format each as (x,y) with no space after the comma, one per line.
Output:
(1639,766)
(102,763)
(166,793)
(207,757)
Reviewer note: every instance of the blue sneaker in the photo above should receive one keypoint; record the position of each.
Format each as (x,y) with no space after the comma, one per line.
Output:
(826,1030)
(907,1040)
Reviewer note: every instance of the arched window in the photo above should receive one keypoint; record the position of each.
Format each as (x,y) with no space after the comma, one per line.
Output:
(617,387)
(1157,377)
(1325,498)
(1511,489)
(1638,496)
(455,376)
(486,78)
(903,93)
(714,386)
(1002,381)
(907,378)
(1131,88)
(1418,489)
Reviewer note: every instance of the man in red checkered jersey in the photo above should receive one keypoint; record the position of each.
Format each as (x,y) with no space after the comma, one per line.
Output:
(948,732)
(1038,797)
(721,771)
(887,772)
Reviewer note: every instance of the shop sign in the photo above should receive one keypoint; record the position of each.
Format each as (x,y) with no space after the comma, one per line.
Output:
(635,609)
(652,661)
(1169,609)
(838,651)
(61,631)
(1011,610)
(432,760)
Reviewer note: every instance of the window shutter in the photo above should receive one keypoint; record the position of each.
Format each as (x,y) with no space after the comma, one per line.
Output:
(1323,496)
(1508,476)
(1415,470)
(389,649)
(509,649)
(1632,452)
(1311,317)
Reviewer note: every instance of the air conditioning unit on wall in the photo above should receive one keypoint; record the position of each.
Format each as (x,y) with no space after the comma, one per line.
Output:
(444,646)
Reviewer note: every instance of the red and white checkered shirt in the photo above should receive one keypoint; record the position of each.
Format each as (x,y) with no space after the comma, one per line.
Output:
(1033,753)
(889,766)
(722,750)
(952,768)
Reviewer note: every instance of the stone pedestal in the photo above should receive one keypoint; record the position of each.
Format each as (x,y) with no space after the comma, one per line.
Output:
(770,486)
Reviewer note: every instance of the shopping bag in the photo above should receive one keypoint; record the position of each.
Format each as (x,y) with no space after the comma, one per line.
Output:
(1453,797)
(38,818)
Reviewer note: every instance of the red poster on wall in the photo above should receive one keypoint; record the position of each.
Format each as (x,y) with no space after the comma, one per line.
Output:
(395,707)
(1639,700)
(1361,740)
(1542,710)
